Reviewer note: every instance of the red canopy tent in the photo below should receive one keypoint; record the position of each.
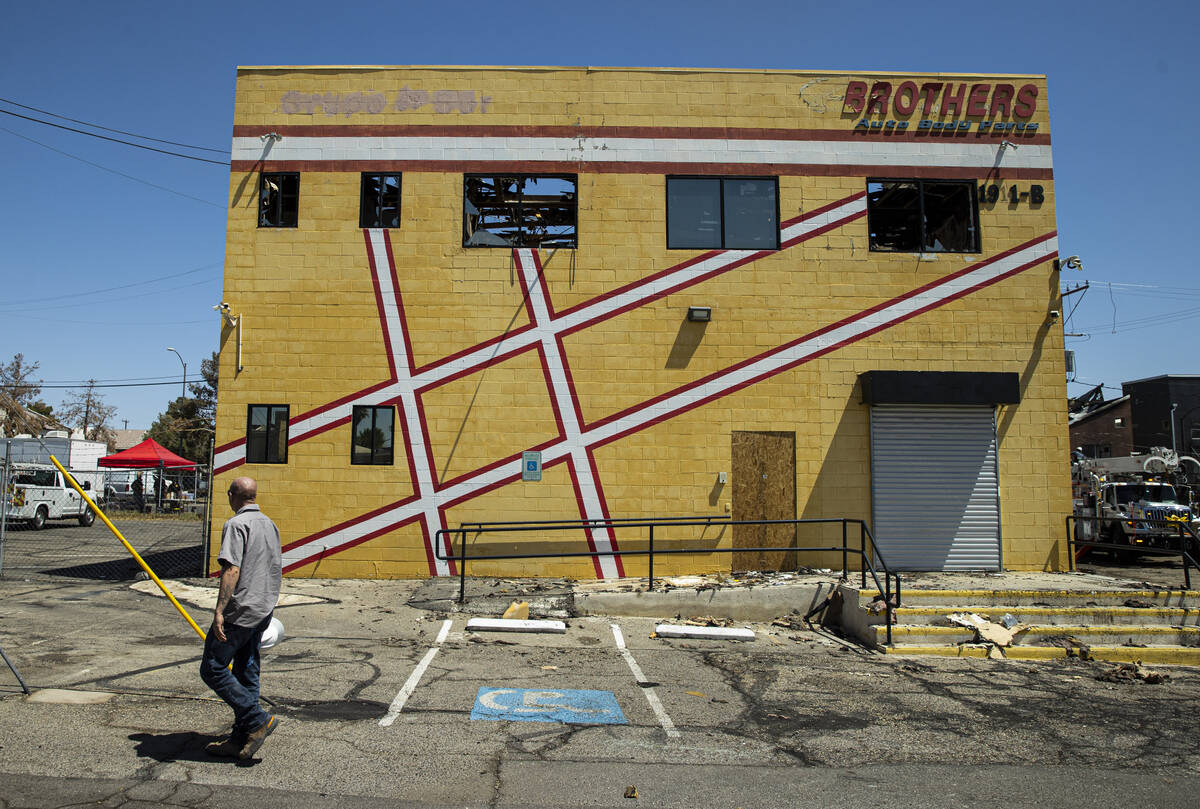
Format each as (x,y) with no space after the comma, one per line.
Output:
(147,455)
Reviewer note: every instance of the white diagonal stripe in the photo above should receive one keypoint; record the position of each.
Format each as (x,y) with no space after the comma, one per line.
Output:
(589,487)
(718,385)
(471,361)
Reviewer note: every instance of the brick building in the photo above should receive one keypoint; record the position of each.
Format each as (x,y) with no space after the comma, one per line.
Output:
(1158,411)
(769,294)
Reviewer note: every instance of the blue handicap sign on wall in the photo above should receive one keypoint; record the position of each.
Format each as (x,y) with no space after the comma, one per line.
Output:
(569,706)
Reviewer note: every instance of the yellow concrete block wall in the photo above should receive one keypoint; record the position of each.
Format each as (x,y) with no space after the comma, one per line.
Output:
(311,333)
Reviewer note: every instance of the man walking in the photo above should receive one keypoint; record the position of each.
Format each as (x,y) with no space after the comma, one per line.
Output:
(251,574)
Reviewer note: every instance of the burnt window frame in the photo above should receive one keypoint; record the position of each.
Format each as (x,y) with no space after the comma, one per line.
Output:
(374,459)
(721,178)
(281,451)
(272,212)
(973,196)
(572,178)
(378,204)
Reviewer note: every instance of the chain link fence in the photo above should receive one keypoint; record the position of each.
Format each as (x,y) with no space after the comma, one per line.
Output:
(47,530)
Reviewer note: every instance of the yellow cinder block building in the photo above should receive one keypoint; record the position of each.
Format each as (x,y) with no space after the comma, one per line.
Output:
(459,295)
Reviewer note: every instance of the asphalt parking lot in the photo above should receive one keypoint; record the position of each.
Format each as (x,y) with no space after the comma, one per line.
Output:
(384,703)
(171,544)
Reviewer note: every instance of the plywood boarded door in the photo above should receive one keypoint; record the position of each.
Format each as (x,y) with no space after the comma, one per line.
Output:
(764,488)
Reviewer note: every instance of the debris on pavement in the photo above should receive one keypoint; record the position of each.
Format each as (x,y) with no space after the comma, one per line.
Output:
(518,610)
(985,630)
(705,620)
(1138,603)
(631,791)
(1131,673)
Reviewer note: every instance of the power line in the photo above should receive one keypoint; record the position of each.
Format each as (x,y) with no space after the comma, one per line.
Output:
(116,140)
(118,131)
(111,385)
(111,171)
(113,289)
(122,299)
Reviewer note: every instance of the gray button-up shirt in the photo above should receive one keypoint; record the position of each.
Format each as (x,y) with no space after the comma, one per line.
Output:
(250,541)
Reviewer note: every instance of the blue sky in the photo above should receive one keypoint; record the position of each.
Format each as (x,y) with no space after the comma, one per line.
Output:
(1123,119)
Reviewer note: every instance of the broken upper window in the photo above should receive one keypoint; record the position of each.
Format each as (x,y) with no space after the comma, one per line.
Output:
(278,200)
(922,216)
(733,213)
(520,210)
(379,206)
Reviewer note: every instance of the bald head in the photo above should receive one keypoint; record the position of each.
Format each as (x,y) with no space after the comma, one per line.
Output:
(242,491)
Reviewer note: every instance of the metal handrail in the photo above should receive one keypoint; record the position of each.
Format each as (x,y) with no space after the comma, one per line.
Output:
(1185,531)
(865,537)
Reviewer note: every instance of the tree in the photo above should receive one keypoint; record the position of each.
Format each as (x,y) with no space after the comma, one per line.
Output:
(205,392)
(183,430)
(17,380)
(18,384)
(186,427)
(87,412)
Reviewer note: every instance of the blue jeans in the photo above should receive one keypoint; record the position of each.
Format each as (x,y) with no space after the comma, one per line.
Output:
(239,688)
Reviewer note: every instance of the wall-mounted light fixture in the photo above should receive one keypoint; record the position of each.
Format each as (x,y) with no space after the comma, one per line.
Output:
(1069,263)
(699,314)
(234,322)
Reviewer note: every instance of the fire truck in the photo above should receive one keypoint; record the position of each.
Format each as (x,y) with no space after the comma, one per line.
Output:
(1138,501)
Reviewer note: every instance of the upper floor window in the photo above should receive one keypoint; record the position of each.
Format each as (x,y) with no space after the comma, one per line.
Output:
(922,216)
(732,213)
(267,433)
(372,438)
(520,210)
(379,205)
(279,200)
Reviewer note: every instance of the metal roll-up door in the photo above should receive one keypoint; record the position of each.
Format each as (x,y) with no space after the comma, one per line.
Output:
(934,487)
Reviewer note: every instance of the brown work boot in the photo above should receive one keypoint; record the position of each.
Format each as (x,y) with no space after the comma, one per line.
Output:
(227,748)
(257,736)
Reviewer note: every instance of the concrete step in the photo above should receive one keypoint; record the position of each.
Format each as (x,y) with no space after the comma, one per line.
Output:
(1153,655)
(1031,635)
(1033,598)
(1056,616)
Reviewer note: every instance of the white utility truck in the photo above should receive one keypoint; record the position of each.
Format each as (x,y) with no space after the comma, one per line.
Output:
(38,493)
(1133,501)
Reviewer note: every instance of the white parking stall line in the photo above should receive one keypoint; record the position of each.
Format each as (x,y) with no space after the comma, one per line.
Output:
(410,685)
(651,697)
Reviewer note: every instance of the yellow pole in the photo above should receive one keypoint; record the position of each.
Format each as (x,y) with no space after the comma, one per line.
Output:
(128,547)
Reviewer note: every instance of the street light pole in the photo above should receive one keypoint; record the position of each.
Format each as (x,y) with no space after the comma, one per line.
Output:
(1174,445)
(182,390)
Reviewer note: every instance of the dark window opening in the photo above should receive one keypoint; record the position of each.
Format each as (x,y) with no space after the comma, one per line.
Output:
(267,434)
(920,216)
(731,213)
(279,200)
(520,211)
(379,206)
(372,438)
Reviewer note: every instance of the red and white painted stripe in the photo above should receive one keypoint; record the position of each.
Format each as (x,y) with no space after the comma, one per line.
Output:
(401,361)
(598,150)
(639,293)
(688,397)
(566,410)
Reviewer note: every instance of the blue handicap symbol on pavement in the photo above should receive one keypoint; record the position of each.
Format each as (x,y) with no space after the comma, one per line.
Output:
(531,466)
(569,706)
